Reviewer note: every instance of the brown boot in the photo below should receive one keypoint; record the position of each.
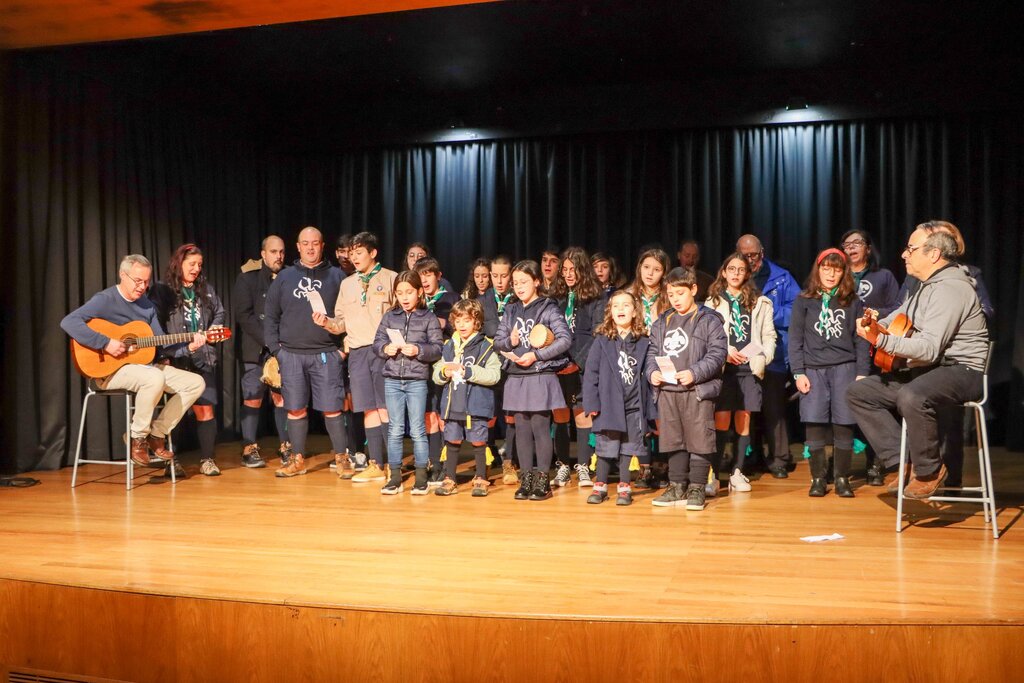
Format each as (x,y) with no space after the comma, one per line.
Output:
(158,446)
(891,480)
(296,466)
(343,464)
(140,451)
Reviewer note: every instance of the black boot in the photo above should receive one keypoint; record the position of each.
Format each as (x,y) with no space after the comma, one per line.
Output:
(842,458)
(874,475)
(525,485)
(818,466)
(541,486)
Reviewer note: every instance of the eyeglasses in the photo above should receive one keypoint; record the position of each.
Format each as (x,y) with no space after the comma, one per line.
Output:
(139,284)
(753,256)
(850,244)
(735,270)
(910,249)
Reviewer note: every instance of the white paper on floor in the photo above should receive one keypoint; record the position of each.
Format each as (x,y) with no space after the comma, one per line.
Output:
(818,539)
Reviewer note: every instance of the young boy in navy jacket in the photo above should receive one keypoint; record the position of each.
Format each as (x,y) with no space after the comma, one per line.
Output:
(692,340)
(468,369)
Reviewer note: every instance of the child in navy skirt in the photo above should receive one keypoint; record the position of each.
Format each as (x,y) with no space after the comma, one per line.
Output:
(616,396)
(827,355)
(691,339)
(581,298)
(531,388)
(748,320)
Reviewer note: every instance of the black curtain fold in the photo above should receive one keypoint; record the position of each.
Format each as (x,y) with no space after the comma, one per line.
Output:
(90,174)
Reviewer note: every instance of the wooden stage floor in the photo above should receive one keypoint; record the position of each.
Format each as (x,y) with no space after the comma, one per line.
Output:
(321,543)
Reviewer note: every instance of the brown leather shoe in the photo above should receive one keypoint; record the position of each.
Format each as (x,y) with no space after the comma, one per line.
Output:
(140,451)
(890,481)
(344,466)
(923,487)
(296,466)
(158,446)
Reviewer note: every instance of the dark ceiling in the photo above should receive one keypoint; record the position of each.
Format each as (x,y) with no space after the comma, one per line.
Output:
(533,68)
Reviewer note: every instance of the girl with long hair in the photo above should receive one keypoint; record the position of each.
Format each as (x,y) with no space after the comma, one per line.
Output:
(479,279)
(649,283)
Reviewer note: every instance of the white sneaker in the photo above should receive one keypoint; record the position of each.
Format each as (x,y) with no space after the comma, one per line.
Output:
(563,475)
(711,488)
(737,482)
(583,475)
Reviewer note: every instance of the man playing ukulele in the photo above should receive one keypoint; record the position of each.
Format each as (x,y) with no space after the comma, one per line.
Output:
(944,362)
(123,303)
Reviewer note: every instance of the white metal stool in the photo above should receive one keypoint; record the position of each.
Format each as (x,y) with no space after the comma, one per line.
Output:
(129,411)
(987,497)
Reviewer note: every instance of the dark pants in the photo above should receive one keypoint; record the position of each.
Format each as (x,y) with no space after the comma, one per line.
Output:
(920,397)
(773,411)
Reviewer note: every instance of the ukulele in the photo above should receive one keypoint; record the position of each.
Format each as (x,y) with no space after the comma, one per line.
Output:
(899,327)
(141,343)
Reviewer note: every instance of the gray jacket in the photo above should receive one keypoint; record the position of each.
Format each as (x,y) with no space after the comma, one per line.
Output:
(949,325)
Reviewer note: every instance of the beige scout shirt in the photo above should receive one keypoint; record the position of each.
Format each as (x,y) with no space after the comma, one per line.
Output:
(360,320)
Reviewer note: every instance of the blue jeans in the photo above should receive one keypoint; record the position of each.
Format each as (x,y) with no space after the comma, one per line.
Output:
(406,397)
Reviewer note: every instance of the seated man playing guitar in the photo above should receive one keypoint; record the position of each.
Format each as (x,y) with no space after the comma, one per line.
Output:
(940,362)
(124,303)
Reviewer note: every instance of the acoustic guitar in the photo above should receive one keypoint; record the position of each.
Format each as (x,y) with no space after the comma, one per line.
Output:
(901,326)
(141,343)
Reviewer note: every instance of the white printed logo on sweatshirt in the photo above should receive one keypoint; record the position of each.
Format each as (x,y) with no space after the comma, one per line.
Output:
(627,367)
(306,285)
(675,342)
(524,327)
(864,290)
(744,325)
(834,326)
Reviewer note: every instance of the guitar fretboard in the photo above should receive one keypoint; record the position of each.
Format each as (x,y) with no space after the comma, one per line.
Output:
(163,340)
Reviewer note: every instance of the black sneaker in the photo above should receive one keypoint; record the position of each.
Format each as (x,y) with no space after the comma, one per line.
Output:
(525,485)
(541,486)
(599,495)
(695,497)
(421,485)
(435,477)
(645,478)
(285,453)
(875,476)
(779,471)
(673,496)
(251,457)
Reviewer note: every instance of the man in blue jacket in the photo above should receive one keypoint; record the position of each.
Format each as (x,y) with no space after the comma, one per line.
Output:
(781,288)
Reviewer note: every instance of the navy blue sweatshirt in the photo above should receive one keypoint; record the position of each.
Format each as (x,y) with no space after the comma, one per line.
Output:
(879,290)
(289,318)
(585,318)
(541,311)
(614,374)
(813,345)
(491,315)
(420,327)
(108,305)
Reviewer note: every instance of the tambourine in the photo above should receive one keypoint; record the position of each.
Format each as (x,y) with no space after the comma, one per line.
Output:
(271,373)
(540,336)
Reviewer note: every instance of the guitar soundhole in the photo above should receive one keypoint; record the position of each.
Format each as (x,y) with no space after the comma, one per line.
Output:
(131,341)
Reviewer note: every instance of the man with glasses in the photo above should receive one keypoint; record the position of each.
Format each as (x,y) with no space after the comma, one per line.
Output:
(781,288)
(123,303)
(945,362)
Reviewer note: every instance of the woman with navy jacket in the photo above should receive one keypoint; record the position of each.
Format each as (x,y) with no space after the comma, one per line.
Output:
(532,390)
(407,369)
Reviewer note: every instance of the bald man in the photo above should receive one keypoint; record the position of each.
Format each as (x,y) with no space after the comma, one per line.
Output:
(249,301)
(781,288)
(309,355)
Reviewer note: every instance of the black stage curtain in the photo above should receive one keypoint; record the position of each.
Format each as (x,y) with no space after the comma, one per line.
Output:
(94,175)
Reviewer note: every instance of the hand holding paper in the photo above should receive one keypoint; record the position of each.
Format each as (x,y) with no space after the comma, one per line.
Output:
(316,302)
(667,369)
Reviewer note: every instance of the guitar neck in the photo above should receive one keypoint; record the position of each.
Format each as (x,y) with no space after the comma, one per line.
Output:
(164,340)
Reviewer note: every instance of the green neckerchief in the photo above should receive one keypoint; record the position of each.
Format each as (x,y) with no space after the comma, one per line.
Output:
(364,280)
(189,308)
(857,277)
(736,314)
(649,315)
(459,345)
(570,308)
(433,299)
(823,317)
(501,301)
